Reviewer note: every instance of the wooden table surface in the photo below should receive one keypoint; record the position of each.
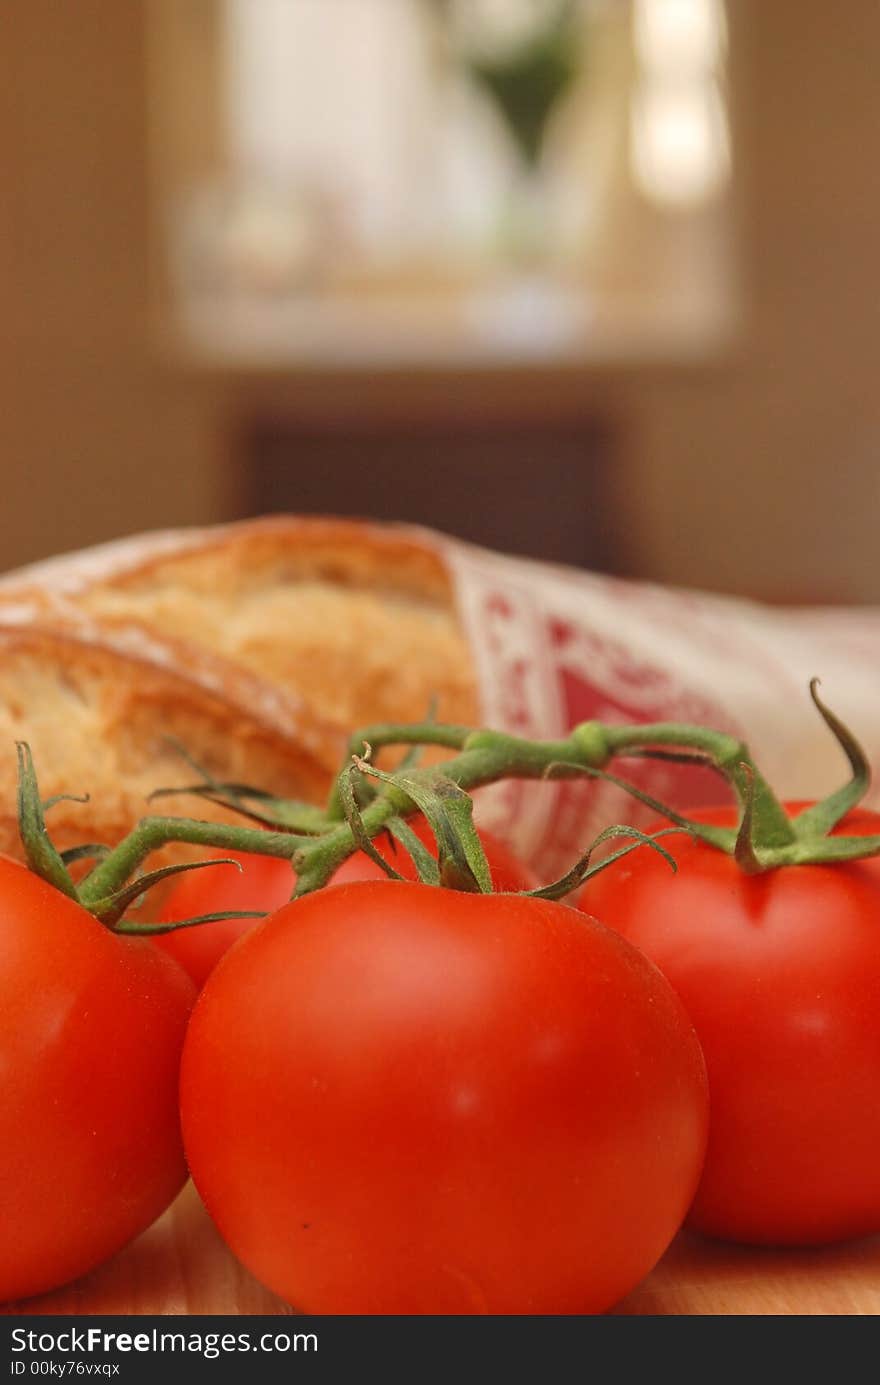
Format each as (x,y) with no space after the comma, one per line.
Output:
(181,1266)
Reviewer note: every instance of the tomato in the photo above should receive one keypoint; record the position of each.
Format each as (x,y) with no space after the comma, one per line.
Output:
(399,1099)
(91,1031)
(264,883)
(780,973)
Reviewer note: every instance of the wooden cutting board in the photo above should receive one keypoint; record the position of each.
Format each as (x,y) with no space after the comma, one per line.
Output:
(181,1266)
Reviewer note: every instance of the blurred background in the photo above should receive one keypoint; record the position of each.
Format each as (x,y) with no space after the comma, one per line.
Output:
(593,280)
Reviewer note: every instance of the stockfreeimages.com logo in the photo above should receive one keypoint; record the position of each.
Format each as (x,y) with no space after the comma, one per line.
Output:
(94,1340)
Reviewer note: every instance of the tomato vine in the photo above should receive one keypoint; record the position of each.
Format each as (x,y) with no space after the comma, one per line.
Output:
(366,801)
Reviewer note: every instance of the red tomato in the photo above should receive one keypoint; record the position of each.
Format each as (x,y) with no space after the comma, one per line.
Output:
(265,883)
(781,975)
(405,1100)
(91,1030)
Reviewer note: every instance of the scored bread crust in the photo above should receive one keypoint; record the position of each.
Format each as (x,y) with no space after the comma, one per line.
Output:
(363,553)
(259,646)
(354,622)
(104,719)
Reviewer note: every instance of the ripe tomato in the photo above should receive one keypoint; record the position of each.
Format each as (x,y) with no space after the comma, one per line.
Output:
(402,1099)
(780,973)
(91,1030)
(264,883)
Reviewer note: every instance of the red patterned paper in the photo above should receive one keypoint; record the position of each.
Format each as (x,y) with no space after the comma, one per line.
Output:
(554,647)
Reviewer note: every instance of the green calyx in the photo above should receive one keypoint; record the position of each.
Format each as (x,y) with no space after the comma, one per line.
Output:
(115,880)
(461,861)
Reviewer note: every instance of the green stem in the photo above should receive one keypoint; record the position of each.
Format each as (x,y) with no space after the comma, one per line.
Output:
(727,754)
(326,854)
(409,733)
(382,735)
(153,833)
(319,841)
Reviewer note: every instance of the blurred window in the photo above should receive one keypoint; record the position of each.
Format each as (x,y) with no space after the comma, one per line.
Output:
(446,180)
(333,96)
(679,139)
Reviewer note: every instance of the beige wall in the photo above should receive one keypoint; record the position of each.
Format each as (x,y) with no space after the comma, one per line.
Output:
(95,440)
(760,473)
(764,475)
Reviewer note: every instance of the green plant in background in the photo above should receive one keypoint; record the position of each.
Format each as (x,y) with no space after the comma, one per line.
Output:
(527,79)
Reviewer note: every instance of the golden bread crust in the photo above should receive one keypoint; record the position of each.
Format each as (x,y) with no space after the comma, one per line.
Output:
(102,720)
(355,622)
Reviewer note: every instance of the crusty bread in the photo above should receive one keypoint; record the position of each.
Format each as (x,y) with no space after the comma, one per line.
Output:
(357,622)
(260,646)
(100,718)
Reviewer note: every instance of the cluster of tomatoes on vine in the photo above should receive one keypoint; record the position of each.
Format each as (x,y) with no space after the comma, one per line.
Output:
(447,1091)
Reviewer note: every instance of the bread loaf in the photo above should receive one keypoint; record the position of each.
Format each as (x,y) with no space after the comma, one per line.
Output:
(356,622)
(259,646)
